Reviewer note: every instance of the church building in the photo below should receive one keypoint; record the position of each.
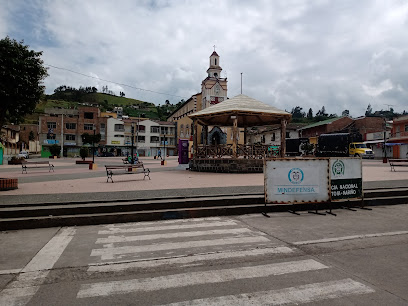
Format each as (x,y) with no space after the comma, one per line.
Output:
(213,91)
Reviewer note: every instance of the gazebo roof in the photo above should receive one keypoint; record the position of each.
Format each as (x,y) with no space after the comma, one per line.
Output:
(250,112)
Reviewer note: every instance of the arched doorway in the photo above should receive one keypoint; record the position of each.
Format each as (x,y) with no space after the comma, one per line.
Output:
(217,136)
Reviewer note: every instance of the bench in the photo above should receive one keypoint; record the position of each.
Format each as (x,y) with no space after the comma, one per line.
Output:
(398,163)
(34,164)
(125,169)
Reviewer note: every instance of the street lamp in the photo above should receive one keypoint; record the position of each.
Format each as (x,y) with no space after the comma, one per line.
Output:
(131,151)
(93,145)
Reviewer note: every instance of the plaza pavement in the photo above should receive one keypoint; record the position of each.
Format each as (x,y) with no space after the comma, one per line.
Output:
(71,182)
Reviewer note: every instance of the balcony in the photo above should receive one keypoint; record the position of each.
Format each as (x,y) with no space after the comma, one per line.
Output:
(399,136)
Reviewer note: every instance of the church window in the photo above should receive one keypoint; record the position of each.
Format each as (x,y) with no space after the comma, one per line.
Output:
(215,61)
(215,74)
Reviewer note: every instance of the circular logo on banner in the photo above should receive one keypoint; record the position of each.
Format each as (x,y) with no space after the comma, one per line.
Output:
(338,168)
(295,175)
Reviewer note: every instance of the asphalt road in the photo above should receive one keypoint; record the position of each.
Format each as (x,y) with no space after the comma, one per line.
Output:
(356,258)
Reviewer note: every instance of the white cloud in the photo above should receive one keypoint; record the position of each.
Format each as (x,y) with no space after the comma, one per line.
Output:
(307,53)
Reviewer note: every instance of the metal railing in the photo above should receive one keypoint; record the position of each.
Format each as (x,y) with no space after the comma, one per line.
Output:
(243,151)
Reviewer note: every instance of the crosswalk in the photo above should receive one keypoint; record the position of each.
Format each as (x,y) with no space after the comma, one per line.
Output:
(209,261)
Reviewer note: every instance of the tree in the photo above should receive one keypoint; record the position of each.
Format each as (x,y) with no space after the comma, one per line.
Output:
(86,138)
(55,150)
(322,112)
(345,113)
(21,76)
(369,110)
(310,114)
(31,136)
(297,112)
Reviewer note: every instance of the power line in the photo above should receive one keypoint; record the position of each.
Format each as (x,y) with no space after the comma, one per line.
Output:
(121,84)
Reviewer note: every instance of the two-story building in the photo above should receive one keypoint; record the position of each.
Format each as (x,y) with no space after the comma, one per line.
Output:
(10,137)
(399,137)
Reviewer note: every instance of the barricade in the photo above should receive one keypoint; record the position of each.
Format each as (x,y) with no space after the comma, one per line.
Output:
(313,181)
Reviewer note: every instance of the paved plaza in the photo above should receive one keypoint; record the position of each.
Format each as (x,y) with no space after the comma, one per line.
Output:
(75,182)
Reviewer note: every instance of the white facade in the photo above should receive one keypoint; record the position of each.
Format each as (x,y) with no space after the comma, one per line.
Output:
(149,137)
(272,137)
(115,132)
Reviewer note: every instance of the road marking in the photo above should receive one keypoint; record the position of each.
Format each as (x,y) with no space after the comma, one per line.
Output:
(20,291)
(11,271)
(199,259)
(294,295)
(117,239)
(196,278)
(110,253)
(115,230)
(132,224)
(325,240)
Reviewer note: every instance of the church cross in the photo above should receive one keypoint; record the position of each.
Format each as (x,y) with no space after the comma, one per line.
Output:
(214,48)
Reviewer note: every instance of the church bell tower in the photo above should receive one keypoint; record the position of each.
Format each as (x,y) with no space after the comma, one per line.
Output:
(213,87)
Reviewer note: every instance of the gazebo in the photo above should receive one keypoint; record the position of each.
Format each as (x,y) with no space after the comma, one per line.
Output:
(239,112)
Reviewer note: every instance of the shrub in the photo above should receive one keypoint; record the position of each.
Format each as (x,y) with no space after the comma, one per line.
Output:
(55,150)
(83,152)
(308,148)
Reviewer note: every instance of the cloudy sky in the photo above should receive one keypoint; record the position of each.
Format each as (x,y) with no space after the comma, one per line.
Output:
(339,54)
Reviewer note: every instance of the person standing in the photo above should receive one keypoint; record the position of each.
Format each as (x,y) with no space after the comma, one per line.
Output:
(159,154)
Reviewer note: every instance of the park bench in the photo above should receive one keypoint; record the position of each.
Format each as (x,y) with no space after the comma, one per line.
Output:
(398,163)
(36,164)
(126,169)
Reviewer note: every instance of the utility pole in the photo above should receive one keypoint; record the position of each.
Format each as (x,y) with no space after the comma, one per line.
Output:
(131,151)
(93,145)
(62,135)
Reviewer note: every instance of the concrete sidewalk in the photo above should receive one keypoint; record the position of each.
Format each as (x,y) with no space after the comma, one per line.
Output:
(73,183)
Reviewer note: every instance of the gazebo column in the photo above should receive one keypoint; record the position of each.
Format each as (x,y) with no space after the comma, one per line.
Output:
(234,136)
(245,135)
(205,136)
(195,137)
(283,138)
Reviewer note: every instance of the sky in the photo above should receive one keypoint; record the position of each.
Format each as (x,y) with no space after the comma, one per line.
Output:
(339,54)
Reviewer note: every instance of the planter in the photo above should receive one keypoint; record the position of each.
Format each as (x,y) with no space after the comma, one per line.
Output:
(164,162)
(16,161)
(54,157)
(93,166)
(8,184)
(83,162)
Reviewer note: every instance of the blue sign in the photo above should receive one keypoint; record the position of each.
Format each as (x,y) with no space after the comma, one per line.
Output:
(51,141)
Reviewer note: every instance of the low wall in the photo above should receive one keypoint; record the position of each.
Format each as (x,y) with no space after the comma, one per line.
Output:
(8,184)
(228,165)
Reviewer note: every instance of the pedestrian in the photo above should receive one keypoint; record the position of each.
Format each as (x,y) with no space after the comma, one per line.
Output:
(159,154)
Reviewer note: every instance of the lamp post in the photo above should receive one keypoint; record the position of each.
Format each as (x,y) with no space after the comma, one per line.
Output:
(385,141)
(93,145)
(131,150)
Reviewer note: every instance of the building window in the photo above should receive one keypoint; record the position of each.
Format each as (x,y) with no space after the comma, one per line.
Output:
(88,126)
(117,135)
(154,139)
(141,139)
(119,128)
(69,137)
(215,62)
(273,137)
(51,125)
(70,126)
(50,136)
(88,115)
(141,128)
(287,135)
(406,128)
(154,129)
